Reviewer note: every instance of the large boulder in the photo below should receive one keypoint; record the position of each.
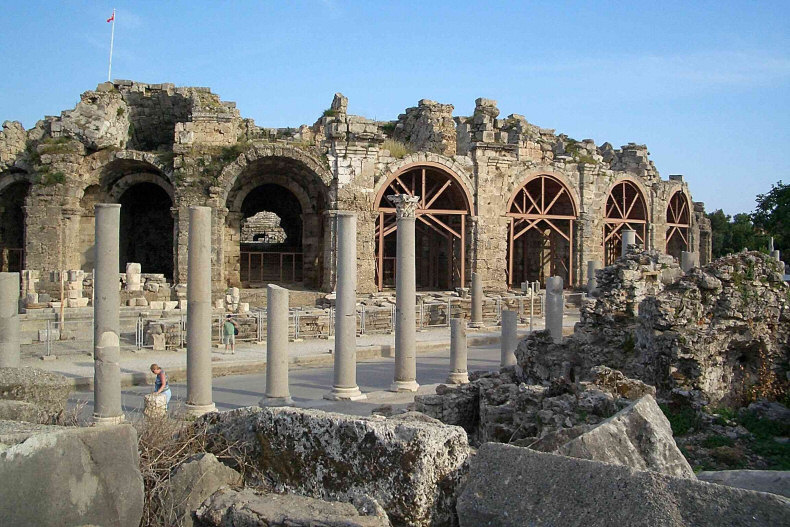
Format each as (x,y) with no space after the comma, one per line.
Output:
(191,483)
(49,391)
(22,411)
(54,476)
(412,468)
(773,481)
(229,508)
(512,486)
(638,436)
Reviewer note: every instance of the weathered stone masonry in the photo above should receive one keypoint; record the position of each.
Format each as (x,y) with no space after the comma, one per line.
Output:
(500,197)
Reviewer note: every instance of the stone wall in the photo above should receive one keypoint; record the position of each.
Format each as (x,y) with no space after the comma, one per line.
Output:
(200,151)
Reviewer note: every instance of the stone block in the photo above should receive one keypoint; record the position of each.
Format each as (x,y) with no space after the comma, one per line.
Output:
(244,307)
(155,404)
(73,294)
(78,302)
(191,483)
(130,286)
(31,298)
(245,507)
(141,302)
(49,391)
(169,305)
(54,476)
(52,334)
(639,436)
(22,411)
(513,486)
(182,304)
(133,269)
(157,305)
(152,287)
(411,467)
(773,481)
(159,341)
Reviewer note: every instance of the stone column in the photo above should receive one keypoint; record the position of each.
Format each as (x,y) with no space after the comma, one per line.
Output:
(629,238)
(776,255)
(509,338)
(688,260)
(476,320)
(277,393)
(555,305)
(592,280)
(199,396)
(345,373)
(9,320)
(458,371)
(405,295)
(106,317)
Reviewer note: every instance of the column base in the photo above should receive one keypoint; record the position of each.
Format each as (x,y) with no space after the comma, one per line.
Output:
(196,410)
(458,378)
(404,386)
(476,325)
(345,394)
(267,401)
(107,421)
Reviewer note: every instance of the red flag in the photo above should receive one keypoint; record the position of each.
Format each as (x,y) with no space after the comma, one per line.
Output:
(112,17)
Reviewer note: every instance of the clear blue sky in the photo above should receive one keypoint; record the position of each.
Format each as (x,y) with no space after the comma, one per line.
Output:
(705,84)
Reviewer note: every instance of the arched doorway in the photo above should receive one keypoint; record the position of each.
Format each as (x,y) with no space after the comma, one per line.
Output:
(625,209)
(12,226)
(146,231)
(440,230)
(677,224)
(274,226)
(540,238)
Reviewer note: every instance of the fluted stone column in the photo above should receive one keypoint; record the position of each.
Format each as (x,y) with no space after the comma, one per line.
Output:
(9,320)
(476,320)
(199,378)
(405,295)
(277,392)
(555,306)
(345,372)
(509,338)
(106,317)
(629,238)
(458,352)
(592,280)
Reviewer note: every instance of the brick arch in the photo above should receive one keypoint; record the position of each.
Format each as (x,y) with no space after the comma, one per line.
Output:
(9,178)
(308,159)
(435,161)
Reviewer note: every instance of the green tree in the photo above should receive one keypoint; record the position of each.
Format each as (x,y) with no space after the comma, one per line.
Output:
(733,234)
(773,214)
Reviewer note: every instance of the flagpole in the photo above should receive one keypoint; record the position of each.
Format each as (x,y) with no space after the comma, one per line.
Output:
(112,39)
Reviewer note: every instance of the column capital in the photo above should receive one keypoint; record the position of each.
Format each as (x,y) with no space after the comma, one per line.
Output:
(405,205)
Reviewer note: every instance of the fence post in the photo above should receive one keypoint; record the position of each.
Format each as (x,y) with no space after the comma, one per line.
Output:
(531,308)
(449,308)
(49,332)
(362,321)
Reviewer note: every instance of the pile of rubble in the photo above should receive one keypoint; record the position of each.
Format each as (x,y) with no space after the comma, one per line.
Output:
(721,332)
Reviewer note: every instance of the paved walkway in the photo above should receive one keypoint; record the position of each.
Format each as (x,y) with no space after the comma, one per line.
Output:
(251,357)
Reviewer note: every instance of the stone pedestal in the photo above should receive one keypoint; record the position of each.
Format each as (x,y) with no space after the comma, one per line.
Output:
(509,338)
(106,317)
(405,295)
(199,378)
(776,255)
(629,238)
(592,279)
(9,320)
(458,351)
(277,392)
(345,372)
(555,307)
(476,319)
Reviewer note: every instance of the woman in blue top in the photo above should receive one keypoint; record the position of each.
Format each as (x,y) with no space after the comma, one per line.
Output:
(161,385)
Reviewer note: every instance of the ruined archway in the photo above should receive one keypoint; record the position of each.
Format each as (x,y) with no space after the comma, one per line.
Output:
(287,200)
(625,209)
(678,224)
(13,194)
(146,231)
(441,225)
(540,236)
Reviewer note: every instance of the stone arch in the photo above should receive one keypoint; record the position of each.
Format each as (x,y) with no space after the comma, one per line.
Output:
(678,218)
(436,161)
(441,227)
(541,215)
(14,190)
(294,185)
(627,205)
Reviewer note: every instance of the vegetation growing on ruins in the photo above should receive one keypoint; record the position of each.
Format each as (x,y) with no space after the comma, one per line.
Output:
(329,112)
(397,149)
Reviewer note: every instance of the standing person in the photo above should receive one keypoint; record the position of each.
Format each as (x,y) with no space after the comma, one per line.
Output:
(161,386)
(229,331)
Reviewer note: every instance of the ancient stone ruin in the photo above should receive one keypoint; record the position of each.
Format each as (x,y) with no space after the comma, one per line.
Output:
(502,197)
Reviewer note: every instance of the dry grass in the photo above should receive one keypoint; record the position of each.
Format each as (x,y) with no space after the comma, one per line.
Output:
(397,149)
